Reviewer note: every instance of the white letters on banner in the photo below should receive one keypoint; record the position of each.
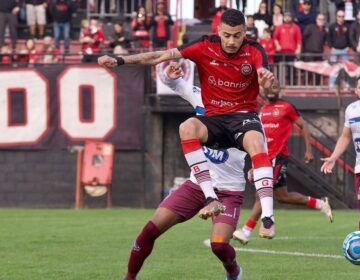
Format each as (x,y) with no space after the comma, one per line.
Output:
(37,104)
(103,88)
(36,113)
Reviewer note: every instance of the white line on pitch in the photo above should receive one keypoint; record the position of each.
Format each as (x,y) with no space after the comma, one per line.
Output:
(272,252)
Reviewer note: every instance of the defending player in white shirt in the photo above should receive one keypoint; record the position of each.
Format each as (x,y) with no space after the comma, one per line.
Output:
(351,131)
(226,168)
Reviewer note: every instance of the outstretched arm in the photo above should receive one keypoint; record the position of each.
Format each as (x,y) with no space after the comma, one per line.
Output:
(306,135)
(340,147)
(149,58)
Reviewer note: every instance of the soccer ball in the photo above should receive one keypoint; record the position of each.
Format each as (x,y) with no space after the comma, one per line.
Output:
(351,247)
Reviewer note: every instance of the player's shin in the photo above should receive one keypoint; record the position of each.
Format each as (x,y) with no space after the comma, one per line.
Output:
(263,176)
(226,254)
(142,248)
(196,159)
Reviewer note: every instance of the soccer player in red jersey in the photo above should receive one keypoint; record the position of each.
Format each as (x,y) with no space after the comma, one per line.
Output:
(231,68)
(278,117)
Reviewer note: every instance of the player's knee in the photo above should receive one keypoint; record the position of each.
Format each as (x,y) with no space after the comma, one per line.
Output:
(188,129)
(218,248)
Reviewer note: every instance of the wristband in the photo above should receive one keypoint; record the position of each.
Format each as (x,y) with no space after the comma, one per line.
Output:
(209,199)
(120,61)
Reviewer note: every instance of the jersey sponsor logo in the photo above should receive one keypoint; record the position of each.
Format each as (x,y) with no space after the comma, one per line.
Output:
(219,82)
(357,144)
(245,54)
(271,125)
(216,156)
(246,69)
(214,62)
(223,103)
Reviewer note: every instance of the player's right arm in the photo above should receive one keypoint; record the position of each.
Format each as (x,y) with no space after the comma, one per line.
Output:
(340,148)
(149,58)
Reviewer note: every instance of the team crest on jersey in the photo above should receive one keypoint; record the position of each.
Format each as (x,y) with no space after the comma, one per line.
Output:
(216,156)
(276,113)
(246,69)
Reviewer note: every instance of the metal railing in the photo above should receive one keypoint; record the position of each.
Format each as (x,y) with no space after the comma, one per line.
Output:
(341,181)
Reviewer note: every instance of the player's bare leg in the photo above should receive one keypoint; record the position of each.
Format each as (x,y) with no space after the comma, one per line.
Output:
(220,237)
(162,220)
(243,234)
(254,144)
(192,133)
(283,196)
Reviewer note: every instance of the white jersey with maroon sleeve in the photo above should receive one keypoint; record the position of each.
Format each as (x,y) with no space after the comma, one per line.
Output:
(226,166)
(352,121)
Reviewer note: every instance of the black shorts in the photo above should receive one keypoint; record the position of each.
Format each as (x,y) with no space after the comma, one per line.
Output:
(228,130)
(280,166)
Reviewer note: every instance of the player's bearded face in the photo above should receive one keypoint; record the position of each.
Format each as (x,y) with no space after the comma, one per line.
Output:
(231,37)
(272,93)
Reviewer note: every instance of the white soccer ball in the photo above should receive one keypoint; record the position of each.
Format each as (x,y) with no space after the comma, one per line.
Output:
(351,247)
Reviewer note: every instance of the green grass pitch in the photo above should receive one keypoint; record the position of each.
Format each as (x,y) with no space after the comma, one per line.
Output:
(95,244)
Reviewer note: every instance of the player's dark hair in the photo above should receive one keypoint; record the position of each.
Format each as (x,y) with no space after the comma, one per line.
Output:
(233,17)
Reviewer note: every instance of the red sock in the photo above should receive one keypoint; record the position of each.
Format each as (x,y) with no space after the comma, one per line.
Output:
(250,223)
(311,203)
(226,254)
(142,248)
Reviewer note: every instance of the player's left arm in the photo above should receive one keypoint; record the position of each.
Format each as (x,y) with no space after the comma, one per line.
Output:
(306,135)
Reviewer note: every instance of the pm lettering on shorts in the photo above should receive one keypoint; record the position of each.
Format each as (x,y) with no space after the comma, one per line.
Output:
(216,156)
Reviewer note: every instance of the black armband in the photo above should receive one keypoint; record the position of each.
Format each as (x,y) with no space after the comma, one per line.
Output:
(120,61)
(209,199)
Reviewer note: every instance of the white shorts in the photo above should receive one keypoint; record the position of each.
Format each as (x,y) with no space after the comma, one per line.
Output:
(35,14)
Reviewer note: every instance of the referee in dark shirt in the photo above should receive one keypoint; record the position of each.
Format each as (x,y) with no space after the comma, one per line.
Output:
(8,15)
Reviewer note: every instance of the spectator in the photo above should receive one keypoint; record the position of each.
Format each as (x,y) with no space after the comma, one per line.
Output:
(119,50)
(251,30)
(314,39)
(120,37)
(244,2)
(29,54)
(61,11)
(354,37)
(91,37)
(161,22)
(49,54)
(277,16)
(288,39)
(262,19)
(217,13)
(307,16)
(338,42)
(297,6)
(5,55)
(36,15)
(141,25)
(268,44)
(350,8)
(8,16)
(328,8)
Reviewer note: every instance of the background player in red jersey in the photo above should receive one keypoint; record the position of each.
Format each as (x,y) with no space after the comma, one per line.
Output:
(231,68)
(278,117)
